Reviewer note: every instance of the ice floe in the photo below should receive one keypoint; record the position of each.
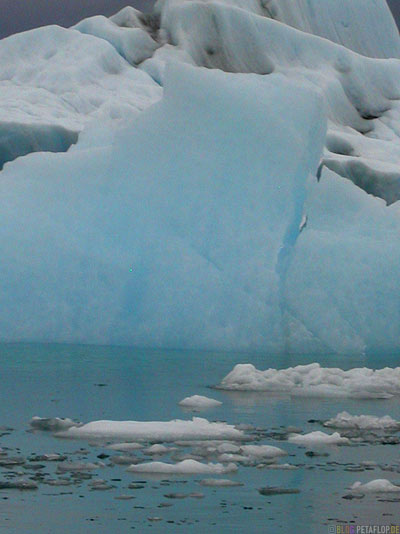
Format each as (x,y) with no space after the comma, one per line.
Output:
(318,438)
(195,429)
(220,483)
(262,451)
(52,424)
(363,422)
(199,402)
(182,468)
(315,381)
(380,485)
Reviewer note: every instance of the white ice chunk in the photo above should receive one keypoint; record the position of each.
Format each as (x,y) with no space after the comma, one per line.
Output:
(316,381)
(220,483)
(158,449)
(363,422)
(52,424)
(262,451)
(318,438)
(199,402)
(197,428)
(182,468)
(380,485)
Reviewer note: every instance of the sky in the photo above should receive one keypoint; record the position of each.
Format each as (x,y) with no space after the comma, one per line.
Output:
(20,15)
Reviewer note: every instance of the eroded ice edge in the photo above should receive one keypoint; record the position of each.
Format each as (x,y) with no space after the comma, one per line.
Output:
(316,381)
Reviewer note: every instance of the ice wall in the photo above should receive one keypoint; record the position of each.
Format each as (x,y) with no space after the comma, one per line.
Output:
(202,206)
(174,241)
(365,26)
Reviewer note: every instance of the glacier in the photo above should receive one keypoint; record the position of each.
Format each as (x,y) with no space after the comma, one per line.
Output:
(212,176)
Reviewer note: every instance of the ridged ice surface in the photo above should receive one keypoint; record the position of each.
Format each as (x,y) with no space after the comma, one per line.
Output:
(227,177)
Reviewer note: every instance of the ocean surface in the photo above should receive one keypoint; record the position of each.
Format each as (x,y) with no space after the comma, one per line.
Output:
(90,383)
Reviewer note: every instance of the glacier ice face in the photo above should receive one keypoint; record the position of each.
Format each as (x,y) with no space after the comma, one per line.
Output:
(200,220)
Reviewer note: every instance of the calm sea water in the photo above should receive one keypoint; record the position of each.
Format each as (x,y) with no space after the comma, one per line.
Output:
(91,383)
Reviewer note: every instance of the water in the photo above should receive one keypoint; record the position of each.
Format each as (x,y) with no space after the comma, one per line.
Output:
(91,383)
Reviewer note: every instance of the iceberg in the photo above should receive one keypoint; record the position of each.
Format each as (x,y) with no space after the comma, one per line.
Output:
(210,176)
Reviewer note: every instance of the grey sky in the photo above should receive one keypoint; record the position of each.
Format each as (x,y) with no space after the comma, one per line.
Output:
(20,15)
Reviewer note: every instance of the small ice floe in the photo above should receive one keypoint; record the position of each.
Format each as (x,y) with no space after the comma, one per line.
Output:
(100,485)
(48,458)
(198,402)
(318,438)
(124,459)
(65,467)
(125,447)
(186,467)
(52,424)
(220,483)
(8,461)
(20,484)
(160,431)
(228,448)
(316,381)
(284,467)
(380,485)
(363,422)
(262,451)
(229,457)
(272,490)
(124,497)
(158,449)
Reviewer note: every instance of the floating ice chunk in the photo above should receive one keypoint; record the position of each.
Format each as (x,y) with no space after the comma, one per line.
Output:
(380,485)
(220,482)
(228,448)
(262,451)
(52,424)
(21,484)
(124,460)
(284,467)
(318,438)
(229,457)
(77,467)
(182,468)
(316,381)
(198,429)
(199,402)
(158,449)
(124,447)
(363,422)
